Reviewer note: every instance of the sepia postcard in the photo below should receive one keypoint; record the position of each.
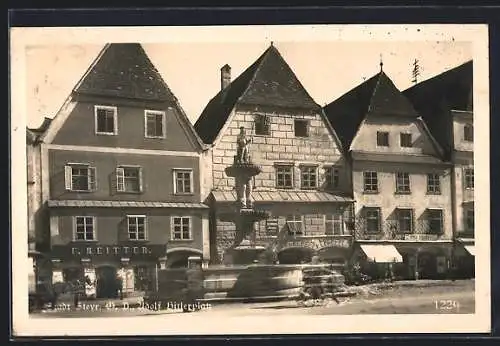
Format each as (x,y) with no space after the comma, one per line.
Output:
(250,180)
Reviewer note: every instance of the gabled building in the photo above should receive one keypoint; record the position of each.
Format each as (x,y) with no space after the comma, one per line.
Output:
(121,167)
(304,183)
(445,103)
(400,177)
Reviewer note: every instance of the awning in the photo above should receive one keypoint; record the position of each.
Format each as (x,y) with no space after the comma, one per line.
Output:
(299,196)
(470,249)
(382,253)
(121,204)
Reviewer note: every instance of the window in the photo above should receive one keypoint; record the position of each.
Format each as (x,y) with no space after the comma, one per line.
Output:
(80,177)
(469,133)
(183,181)
(181,228)
(402,182)
(136,227)
(435,219)
(262,125)
(433,183)
(469,178)
(84,228)
(382,139)
(405,220)
(405,140)
(284,177)
(370,181)
(372,216)
(301,128)
(331,177)
(129,179)
(469,219)
(294,223)
(308,177)
(105,120)
(334,224)
(154,124)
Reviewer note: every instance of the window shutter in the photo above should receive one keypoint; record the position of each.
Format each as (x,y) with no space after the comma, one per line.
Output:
(120,179)
(67,177)
(92,179)
(141,183)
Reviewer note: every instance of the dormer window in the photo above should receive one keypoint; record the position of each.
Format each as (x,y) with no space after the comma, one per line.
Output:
(469,133)
(106,120)
(405,140)
(262,125)
(301,128)
(382,139)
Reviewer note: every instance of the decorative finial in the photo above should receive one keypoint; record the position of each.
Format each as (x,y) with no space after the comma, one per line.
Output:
(272,43)
(381,63)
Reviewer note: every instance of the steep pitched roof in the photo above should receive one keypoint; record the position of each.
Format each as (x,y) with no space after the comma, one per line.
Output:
(269,81)
(124,70)
(435,97)
(376,96)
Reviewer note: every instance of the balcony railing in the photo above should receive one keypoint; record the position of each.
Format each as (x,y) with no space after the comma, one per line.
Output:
(389,230)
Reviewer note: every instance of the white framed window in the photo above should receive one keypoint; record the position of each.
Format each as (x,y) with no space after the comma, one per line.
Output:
(405,140)
(295,224)
(382,139)
(137,227)
(183,181)
(284,177)
(403,182)
(308,177)
(181,228)
(106,120)
(332,177)
(84,228)
(433,183)
(80,177)
(405,220)
(373,219)
(129,179)
(370,182)
(468,133)
(435,221)
(154,124)
(334,224)
(469,178)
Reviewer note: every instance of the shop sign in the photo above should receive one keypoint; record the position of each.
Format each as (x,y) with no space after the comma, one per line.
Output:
(317,243)
(421,237)
(105,250)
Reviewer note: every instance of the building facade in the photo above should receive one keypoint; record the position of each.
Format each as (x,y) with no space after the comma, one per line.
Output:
(304,184)
(121,167)
(445,101)
(401,181)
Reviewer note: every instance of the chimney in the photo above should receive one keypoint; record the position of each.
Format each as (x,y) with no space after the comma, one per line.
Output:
(225,76)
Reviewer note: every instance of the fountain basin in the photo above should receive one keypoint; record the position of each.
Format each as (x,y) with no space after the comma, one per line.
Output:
(243,170)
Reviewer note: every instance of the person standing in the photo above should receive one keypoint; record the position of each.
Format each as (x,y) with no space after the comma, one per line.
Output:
(119,286)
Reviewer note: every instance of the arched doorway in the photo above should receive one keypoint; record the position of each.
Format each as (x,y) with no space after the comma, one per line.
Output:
(295,255)
(178,258)
(106,282)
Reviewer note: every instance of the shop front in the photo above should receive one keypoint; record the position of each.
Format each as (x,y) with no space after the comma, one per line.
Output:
(464,258)
(106,270)
(327,249)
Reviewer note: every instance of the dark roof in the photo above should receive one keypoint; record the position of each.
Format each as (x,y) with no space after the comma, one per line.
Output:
(434,98)
(122,204)
(269,81)
(376,96)
(124,70)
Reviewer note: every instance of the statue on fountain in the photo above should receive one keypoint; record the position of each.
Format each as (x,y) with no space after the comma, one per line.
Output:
(243,183)
(242,154)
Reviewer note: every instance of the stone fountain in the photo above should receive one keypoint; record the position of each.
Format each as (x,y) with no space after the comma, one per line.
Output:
(245,215)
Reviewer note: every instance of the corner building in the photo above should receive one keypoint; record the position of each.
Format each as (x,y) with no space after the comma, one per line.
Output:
(121,168)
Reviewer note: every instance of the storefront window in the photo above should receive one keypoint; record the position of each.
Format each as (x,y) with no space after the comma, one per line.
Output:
(144,276)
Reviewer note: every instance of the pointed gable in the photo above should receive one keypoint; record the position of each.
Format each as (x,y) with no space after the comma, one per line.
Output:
(124,70)
(378,96)
(269,81)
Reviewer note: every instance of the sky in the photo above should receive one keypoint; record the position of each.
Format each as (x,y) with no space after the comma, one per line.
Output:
(192,70)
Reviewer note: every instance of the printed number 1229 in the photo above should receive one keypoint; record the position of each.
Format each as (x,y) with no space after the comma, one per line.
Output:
(447,304)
